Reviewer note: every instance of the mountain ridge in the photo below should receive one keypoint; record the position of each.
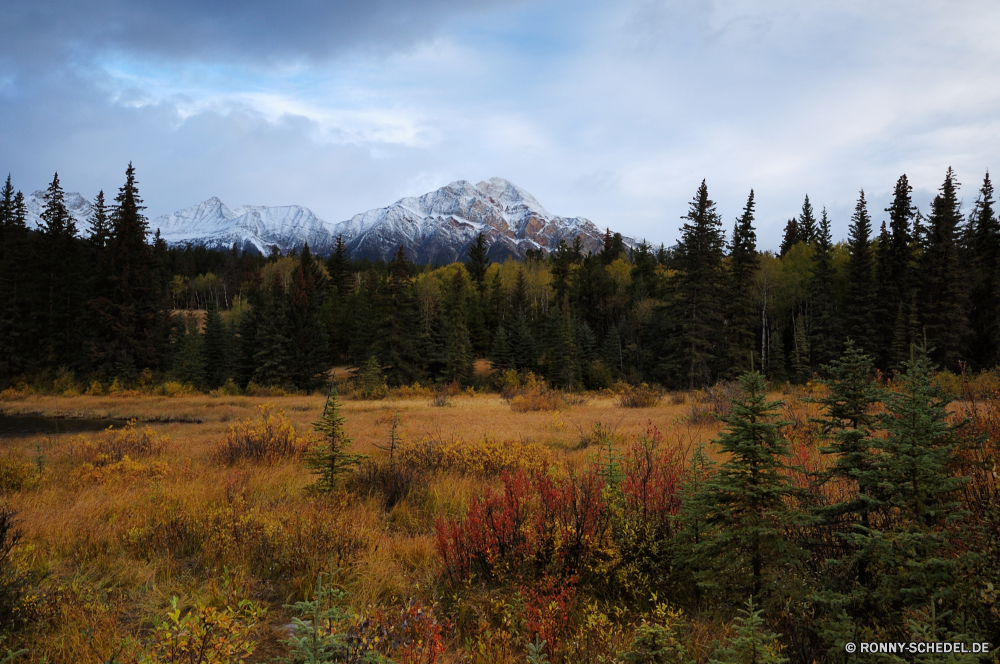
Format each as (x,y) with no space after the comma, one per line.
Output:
(437,227)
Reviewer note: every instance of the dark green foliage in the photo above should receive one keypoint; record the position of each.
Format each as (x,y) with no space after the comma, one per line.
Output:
(824,336)
(271,347)
(394,342)
(753,643)
(944,296)
(614,247)
(746,503)
(982,240)
(859,301)
(458,356)
(100,223)
(790,238)
(329,458)
(806,223)
(15,612)
(17,345)
(127,308)
(696,309)
(741,316)
(500,355)
(216,348)
(898,280)
(187,362)
(309,360)
(478,263)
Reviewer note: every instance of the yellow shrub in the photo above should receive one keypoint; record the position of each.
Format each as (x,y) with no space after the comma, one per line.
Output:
(268,437)
(112,445)
(632,396)
(126,469)
(16,474)
(487,456)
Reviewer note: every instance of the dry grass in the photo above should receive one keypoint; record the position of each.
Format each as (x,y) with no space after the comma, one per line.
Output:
(118,522)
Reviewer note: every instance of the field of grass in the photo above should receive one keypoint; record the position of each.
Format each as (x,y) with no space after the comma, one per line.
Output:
(112,541)
(117,524)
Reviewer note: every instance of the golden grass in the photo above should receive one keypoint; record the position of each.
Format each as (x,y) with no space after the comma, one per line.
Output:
(115,538)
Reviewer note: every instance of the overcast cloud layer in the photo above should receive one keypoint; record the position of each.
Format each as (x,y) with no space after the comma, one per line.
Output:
(612,111)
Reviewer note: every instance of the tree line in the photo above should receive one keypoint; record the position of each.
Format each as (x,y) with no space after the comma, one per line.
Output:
(119,302)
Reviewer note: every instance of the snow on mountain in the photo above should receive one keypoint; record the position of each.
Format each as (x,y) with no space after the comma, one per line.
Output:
(437,227)
(77,206)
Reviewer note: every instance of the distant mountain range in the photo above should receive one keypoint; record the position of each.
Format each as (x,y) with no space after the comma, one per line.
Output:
(438,227)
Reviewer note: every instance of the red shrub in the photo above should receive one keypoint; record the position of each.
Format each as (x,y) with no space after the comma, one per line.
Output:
(547,608)
(652,478)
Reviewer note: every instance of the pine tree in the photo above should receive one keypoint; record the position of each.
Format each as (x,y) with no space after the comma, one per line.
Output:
(500,356)
(216,348)
(565,363)
(271,350)
(916,532)
(753,642)
(806,223)
(329,458)
(859,301)
(337,266)
(824,333)
(59,300)
(478,263)
(944,296)
(187,362)
(801,366)
(393,343)
(309,348)
(458,356)
(748,507)
(524,351)
(885,309)
(127,303)
(984,249)
(100,223)
(697,307)
(741,316)
(17,344)
(790,238)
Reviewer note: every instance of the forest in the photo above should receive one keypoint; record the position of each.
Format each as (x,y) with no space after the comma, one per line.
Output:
(702,454)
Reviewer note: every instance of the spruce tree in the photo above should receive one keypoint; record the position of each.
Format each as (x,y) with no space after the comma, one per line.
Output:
(337,266)
(741,315)
(394,343)
(885,311)
(329,458)
(806,223)
(801,365)
(187,362)
(753,643)
(790,238)
(458,355)
(524,351)
(127,304)
(58,303)
(859,301)
(944,296)
(500,356)
(984,249)
(216,348)
(100,222)
(271,350)
(748,500)
(697,307)
(17,344)
(309,347)
(824,335)
(478,262)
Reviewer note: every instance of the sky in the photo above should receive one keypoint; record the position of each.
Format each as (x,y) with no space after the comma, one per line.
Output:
(611,111)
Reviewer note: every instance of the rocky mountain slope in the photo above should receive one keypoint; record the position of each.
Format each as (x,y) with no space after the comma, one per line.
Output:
(438,227)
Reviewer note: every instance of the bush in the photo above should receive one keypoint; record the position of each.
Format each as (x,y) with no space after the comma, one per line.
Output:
(113,445)
(15,609)
(485,457)
(204,635)
(713,403)
(16,474)
(392,482)
(267,438)
(632,396)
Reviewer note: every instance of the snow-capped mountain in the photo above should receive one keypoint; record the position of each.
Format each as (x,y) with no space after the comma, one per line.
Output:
(77,206)
(438,227)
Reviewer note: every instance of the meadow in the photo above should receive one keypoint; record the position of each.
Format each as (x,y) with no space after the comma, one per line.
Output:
(129,533)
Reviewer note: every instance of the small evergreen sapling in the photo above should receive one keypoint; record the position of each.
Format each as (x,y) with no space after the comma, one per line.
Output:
(329,458)
(753,643)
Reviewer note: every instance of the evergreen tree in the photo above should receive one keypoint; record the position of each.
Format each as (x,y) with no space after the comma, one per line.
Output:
(17,344)
(337,266)
(944,295)
(823,332)
(393,343)
(215,348)
(524,352)
(613,249)
(790,238)
(859,301)
(127,304)
(753,642)
(697,308)
(806,223)
(741,316)
(187,362)
(458,356)
(478,263)
(271,350)
(309,350)
(748,506)
(984,249)
(885,311)
(565,361)
(801,365)
(501,357)
(329,458)
(100,222)
(58,312)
